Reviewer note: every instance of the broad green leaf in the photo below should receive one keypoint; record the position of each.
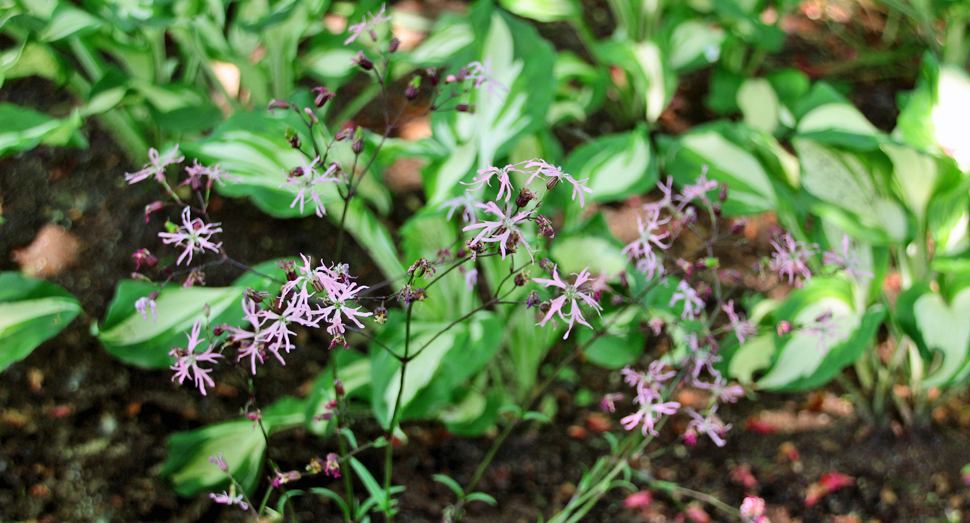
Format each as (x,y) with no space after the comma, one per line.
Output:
(751,357)
(616,165)
(69,21)
(31,311)
(655,93)
(750,189)
(474,414)
(543,10)
(593,247)
(844,181)
(940,327)
(146,343)
(242,446)
(695,44)
(759,105)
(22,129)
(616,351)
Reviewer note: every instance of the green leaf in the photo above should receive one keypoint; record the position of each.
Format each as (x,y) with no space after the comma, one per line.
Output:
(938,325)
(759,105)
(614,352)
(592,246)
(617,165)
(31,311)
(22,129)
(69,21)
(695,44)
(481,496)
(543,10)
(242,446)
(750,189)
(374,488)
(450,483)
(146,343)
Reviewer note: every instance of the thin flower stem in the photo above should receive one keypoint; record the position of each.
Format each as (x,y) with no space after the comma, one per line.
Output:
(389,457)
(344,468)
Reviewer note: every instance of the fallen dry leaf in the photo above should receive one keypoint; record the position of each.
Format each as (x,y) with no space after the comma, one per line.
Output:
(53,250)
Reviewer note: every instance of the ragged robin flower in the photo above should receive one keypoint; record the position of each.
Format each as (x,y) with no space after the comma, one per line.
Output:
(194,236)
(572,294)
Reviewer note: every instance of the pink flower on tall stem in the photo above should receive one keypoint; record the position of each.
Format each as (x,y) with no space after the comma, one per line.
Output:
(187,361)
(571,293)
(357,29)
(304,179)
(652,408)
(743,329)
(194,236)
(791,258)
(504,231)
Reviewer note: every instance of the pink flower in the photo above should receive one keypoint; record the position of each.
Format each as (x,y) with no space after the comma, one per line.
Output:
(791,258)
(722,391)
(697,191)
(303,179)
(608,403)
(333,465)
(471,277)
(485,176)
(710,425)
(504,231)
(155,167)
(847,260)
(229,499)
(481,73)
(693,304)
(743,329)
(193,236)
(187,361)
(554,175)
(651,410)
(249,344)
(572,294)
(219,461)
(466,203)
(357,29)
(149,303)
(753,510)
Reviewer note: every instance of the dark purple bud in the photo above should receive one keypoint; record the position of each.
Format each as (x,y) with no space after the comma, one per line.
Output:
(739,225)
(292,137)
(521,279)
(357,146)
(339,387)
(392,47)
(547,265)
(544,307)
(219,329)
(324,95)
(723,193)
(364,62)
(525,196)
(717,209)
(277,104)
(411,92)
(343,135)
(465,108)
(552,183)
(532,300)
(433,76)
(461,74)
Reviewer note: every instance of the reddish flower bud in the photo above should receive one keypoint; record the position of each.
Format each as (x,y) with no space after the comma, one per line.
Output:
(411,92)
(395,43)
(142,255)
(461,74)
(277,104)
(723,193)
(547,265)
(521,279)
(311,115)
(364,62)
(357,146)
(525,196)
(433,76)
(465,108)
(339,387)
(783,328)
(153,207)
(324,95)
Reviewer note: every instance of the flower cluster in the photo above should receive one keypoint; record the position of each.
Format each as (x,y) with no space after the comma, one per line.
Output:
(187,360)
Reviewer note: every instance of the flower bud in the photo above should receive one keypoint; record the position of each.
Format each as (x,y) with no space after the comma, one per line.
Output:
(324,95)
(738,226)
(525,196)
(395,43)
(411,93)
(343,135)
(142,255)
(723,193)
(532,300)
(206,310)
(293,138)
(522,279)
(783,328)
(716,206)
(255,415)
(380,315)
(433,76)
(364,62)
(277,104)
(219,329)
(153,207)
(461,74)
(552,183)
(339,387)
(357,146)
(465,108)
(547,265)
(311,115)
(544,307)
